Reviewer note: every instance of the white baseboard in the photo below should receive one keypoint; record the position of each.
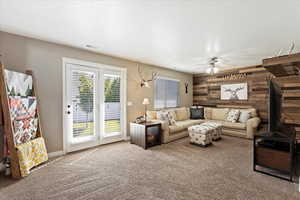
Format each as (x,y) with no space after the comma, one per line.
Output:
(55,154)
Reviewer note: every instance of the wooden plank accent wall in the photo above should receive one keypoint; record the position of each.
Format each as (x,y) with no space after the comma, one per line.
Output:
(207,92)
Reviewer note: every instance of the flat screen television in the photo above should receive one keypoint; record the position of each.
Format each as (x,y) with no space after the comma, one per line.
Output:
(274,106)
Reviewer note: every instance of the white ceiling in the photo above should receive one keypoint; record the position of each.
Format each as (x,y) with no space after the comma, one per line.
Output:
(177,34)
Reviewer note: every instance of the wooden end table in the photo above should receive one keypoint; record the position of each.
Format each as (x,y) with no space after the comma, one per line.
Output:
(146,134)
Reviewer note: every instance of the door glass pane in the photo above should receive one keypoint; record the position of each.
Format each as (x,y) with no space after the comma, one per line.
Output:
(83,103)
(112,111)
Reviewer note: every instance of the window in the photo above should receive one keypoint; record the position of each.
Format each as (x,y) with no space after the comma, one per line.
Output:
(166,93)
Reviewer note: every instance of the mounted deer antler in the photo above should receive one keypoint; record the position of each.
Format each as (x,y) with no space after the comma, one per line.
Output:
(144,82)
(154,76)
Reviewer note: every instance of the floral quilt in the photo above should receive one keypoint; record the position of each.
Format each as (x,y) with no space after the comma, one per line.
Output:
(31,154)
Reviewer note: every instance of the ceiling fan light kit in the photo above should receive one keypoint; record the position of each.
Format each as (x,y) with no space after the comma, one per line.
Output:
(212,69)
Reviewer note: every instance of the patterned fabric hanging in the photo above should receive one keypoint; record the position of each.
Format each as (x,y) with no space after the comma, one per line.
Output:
(31,154)
(18,84)
(23,111)
(25,130)
(22,107)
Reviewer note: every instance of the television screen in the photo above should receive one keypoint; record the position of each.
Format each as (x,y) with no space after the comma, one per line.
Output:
(274,106)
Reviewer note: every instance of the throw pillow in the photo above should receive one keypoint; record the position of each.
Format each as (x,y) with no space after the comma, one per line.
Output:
(219,114)
(162,115)
(182,114)
(207,113)
(233,115)
(197,113)
(172,117)
(244,116)
(173,114)
(252,112)
(151,115)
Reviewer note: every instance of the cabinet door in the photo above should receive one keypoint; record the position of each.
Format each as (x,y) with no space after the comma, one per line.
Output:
(137,134)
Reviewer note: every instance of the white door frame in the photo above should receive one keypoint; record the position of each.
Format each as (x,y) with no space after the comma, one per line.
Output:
(123,100)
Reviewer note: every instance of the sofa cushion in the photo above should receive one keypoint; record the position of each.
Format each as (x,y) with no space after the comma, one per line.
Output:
(175,128)
(164,124)
(185,123)
(233,115)
(197,121)
(233,125)
(182,114)
(219,114)
(189,122)
(151,115)
(207,113)
(244,116)
(197,113)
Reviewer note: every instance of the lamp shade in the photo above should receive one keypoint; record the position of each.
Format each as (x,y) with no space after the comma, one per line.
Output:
(146,101)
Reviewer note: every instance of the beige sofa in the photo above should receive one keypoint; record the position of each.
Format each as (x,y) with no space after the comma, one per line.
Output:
(183,121)
(245,130)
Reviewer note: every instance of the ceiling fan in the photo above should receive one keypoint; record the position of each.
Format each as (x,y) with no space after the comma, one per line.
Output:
(212,69)
(241,57)
(214,63)
(226,60)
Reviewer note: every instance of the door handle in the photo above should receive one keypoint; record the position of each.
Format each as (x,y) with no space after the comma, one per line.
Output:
(69,106)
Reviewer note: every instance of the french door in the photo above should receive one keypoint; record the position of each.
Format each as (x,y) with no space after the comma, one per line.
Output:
(94,104)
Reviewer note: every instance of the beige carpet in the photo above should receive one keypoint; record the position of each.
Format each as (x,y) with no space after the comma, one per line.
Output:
(176,170)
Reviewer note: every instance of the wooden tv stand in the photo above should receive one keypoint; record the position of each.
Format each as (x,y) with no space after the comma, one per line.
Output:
(274,151)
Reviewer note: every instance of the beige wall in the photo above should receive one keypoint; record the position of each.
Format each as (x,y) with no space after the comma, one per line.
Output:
(45,59)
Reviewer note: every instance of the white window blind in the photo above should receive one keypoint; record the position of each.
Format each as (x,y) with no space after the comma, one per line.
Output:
(166,93)
(112,104)
(83,101)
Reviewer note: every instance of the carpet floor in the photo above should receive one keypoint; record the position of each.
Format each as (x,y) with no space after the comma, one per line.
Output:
(172,171)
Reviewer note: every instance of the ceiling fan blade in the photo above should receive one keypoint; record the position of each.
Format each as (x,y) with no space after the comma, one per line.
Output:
(201,59)
(224,65)
(199,65)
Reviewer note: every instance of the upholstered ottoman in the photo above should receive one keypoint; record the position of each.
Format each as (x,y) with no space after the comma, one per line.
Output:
(200,135)
(217,129)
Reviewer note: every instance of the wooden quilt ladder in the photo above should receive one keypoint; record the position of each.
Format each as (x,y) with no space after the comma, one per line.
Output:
(8,127)
(6,120)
